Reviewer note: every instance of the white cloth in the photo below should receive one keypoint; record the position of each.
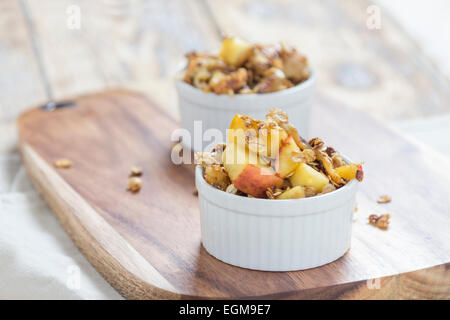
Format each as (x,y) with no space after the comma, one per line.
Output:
(37,258)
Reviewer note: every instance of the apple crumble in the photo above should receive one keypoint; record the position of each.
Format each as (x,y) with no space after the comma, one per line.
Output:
(242,67)
(269,159)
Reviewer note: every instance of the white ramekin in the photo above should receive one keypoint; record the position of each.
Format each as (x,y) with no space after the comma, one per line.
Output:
(275,235)
(217,111)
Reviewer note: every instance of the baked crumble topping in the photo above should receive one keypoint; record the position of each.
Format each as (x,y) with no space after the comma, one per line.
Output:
(242,68)
(63,163)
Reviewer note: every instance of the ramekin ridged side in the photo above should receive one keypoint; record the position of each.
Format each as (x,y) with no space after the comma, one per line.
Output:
(217,111)
(275,235)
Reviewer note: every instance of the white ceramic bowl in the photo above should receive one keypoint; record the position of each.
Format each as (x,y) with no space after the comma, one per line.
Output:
(275,235)
(217,111)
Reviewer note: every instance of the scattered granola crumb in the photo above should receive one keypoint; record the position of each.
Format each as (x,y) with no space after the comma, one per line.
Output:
(384,199)
(314,160)
(195,192)
(135,171)
(63,163)
(134,184)
(381,222)
(356,207)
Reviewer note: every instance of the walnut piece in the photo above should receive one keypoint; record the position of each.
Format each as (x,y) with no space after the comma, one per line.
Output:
(381,222)
(305,156)
(134,184)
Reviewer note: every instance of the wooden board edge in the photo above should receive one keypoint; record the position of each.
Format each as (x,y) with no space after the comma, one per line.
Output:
(125,269)
(429,283)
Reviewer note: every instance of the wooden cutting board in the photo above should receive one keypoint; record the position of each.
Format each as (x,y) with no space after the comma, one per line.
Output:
(147,245)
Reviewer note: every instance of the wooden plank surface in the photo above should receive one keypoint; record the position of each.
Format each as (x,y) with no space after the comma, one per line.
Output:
(134,44)
(158,228)
(380,71)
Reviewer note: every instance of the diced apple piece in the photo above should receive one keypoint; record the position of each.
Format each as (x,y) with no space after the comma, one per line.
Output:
(238,126)
(252,178)
(235,51)
(293,193)
(350,171)
(284,164)
(305,175)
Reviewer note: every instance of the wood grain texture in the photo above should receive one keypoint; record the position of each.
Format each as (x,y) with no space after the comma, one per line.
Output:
(380,71)
(136,44)
(106,133)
